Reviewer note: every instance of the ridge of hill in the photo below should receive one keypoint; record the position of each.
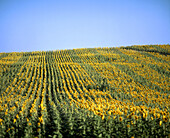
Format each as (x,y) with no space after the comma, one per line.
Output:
(88,92)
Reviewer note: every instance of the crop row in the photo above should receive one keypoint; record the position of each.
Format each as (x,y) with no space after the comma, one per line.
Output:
(100,92)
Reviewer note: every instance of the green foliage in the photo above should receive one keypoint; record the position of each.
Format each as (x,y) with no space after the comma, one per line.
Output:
(45,94)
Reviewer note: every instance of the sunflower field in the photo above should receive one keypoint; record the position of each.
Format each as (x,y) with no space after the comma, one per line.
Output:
(89,92)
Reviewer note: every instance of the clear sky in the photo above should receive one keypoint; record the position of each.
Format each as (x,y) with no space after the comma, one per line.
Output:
(42,25)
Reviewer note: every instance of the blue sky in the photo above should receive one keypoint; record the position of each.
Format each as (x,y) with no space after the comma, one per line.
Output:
(42,25)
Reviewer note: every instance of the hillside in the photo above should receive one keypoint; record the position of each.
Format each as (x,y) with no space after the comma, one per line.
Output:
(90,92)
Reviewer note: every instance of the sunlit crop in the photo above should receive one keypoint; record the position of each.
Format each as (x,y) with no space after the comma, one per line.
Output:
(97,92)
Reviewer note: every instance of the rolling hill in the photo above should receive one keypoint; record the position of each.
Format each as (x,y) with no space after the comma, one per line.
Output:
(89,92)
